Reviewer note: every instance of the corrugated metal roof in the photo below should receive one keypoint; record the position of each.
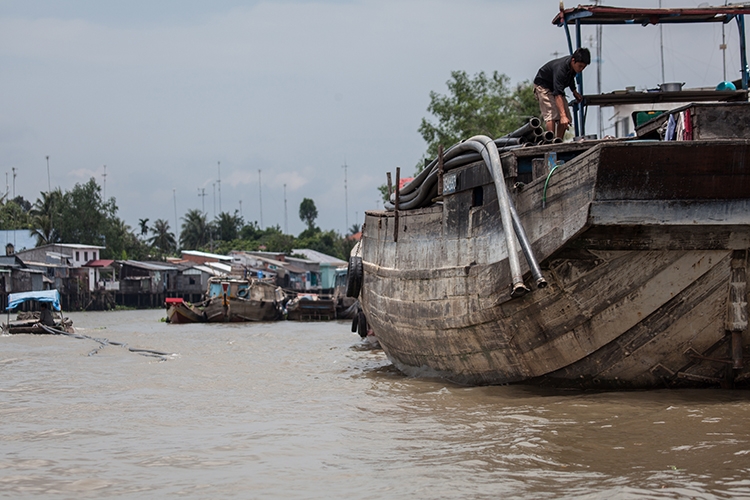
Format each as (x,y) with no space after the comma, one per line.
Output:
(148,266)
(316,256)
(206,255)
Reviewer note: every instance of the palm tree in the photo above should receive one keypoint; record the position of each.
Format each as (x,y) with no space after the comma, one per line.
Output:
(43,216)
(144,227)
(228,226)
(162,238)
(196,231)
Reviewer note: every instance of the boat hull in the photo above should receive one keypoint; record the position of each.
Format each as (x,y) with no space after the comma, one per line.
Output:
(644,248)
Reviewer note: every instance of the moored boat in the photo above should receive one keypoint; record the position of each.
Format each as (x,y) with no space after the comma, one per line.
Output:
(603,263)
(230,299)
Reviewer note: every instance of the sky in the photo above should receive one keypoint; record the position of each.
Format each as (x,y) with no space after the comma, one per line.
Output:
(259,104)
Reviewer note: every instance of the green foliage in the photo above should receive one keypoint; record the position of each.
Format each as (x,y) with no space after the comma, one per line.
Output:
(163,240)
(84,216)
(480,105)
(228,226)
(308,212)
(14,216)
(196,231)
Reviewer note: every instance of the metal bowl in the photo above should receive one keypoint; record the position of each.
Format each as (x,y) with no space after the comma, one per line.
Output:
(671,87)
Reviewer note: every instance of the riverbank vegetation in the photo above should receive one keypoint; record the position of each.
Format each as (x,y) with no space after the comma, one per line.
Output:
(82,215)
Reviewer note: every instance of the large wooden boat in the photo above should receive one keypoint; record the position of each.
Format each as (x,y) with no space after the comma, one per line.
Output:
(594,264)
(231,300)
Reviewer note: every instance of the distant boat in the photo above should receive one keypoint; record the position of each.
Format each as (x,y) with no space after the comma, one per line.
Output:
(230,299)
(311,307)
(29,322)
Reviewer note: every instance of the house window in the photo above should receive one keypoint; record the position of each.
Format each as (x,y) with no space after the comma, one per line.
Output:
(93,255)
(86,256)
(78,256)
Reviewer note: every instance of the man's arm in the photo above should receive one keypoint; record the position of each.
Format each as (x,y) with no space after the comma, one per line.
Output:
(562,110)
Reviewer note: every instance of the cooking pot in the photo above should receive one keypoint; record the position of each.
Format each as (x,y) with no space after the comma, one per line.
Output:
(671,87)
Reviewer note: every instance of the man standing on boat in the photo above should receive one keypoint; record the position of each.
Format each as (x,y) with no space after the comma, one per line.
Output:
(549,88)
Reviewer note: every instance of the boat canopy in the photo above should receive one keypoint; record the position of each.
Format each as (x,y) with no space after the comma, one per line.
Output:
(605,15)
(602,14)
(51,296)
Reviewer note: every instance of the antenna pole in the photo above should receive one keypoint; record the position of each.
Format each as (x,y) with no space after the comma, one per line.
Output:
(219,183)
(286,220)
(174,195)
(260,199)
(346,197)
(14,183)
(661,47)
(49,184)
(104,183)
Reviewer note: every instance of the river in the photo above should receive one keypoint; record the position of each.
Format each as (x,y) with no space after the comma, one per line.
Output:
(306,410)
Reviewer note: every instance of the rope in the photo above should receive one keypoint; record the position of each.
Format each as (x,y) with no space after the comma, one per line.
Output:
(163,356)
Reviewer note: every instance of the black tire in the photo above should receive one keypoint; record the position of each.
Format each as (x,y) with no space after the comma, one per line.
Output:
(354,277)
(362,325)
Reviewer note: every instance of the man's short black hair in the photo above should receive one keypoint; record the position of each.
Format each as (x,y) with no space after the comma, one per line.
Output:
(582,55)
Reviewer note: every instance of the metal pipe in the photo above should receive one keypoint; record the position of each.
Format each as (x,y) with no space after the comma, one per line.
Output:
(395,214)
(489,152)
(536,272)
(743,50)
(533,123)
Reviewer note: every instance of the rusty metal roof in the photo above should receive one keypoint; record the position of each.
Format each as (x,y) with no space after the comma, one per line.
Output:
(602,14)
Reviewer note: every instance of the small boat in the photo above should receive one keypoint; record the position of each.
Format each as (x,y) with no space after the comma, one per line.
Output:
(179,311)
(29,322)
(230,299)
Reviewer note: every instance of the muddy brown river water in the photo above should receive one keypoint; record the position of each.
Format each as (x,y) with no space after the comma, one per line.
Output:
(305,410)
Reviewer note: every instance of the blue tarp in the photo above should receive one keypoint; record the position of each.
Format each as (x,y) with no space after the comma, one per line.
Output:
(52,296)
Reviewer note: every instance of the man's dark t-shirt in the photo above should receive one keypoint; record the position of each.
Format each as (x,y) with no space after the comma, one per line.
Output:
(556,75)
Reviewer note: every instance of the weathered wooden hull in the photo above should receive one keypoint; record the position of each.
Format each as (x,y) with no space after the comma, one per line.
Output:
(645,249)
(181,313)
(238,310)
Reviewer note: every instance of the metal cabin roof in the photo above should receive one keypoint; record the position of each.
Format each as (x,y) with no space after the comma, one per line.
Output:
(602,14)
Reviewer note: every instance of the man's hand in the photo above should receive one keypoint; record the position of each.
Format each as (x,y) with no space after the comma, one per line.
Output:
(564,122)
(578,96)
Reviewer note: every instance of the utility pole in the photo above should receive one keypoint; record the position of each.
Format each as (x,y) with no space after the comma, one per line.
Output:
(14,183)
(286,220)
(260,199)
(219,183)
(202,194)
(104,183)
(214,186)
(240,208)
(49,184)
(174,195)
(346,197)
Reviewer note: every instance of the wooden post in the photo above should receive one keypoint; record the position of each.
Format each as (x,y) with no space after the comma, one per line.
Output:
(440,170)
(395,212)
(390,186)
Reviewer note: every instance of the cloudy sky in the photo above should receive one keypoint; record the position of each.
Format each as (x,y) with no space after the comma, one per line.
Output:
(172,95)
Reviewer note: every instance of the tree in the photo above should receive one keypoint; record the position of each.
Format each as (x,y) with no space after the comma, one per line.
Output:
(44,213)
(354,229)
(143,223)
(196,231)
(228,226)
(308,213)
(84,217)
(163,239)
(480,105)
